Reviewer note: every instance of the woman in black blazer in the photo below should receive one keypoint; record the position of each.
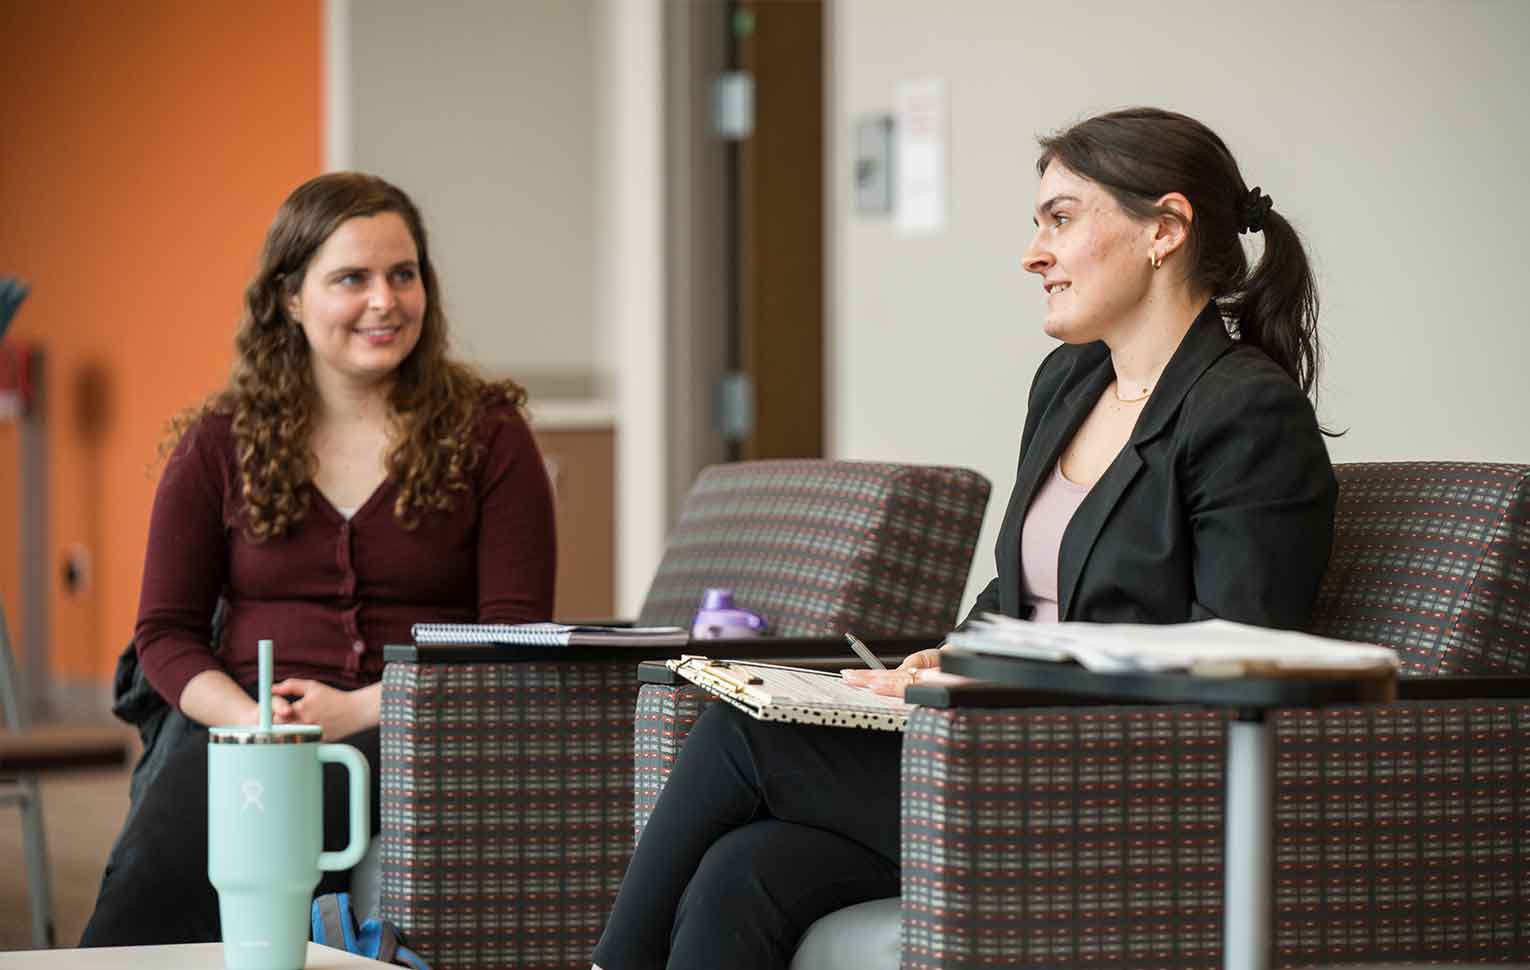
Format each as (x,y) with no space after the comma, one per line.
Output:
(1171,468)
(1179,395)
(1219,504)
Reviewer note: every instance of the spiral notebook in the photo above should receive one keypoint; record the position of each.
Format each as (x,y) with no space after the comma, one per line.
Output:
(770,692)
(550,634)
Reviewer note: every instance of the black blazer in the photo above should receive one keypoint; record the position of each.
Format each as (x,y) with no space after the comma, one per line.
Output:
(1220,504)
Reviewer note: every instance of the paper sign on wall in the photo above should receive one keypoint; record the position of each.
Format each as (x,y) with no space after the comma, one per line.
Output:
(921,168)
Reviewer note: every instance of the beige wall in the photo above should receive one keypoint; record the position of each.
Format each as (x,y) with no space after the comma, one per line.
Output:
(530,132)
(1392,134)
(485,111)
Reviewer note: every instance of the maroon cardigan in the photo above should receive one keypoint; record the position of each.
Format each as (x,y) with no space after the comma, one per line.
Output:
(332,593)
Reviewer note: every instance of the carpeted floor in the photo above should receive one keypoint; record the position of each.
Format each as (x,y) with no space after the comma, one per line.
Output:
(82,813)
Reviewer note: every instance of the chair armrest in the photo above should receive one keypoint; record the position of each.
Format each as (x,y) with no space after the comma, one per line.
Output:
(1389,818)
(506,802)
(986,695)
(1461,687)
(665,715)
(1073,836)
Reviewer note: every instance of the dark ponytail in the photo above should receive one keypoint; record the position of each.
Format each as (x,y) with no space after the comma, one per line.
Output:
(1275,305)
(1139,155)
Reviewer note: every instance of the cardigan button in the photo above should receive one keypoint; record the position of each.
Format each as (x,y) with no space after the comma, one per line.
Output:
(359,647)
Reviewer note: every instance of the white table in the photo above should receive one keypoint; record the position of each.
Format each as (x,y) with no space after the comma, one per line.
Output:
(182,956)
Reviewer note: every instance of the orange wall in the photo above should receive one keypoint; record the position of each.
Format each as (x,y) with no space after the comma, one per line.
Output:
(144,148)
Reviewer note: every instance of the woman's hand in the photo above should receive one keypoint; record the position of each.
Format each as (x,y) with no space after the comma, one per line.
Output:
(893,683)
(281,711)
(340,713)
(212,698)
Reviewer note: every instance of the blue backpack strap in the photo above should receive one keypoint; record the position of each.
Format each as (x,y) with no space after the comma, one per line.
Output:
(380,941)
(369,938)
(347,920)
(408,958)
(333,924)
(328,930)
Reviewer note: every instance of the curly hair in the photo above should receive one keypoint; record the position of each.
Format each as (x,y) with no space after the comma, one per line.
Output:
(435,406)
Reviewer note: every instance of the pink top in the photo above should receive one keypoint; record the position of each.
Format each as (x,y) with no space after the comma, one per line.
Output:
(1040,539)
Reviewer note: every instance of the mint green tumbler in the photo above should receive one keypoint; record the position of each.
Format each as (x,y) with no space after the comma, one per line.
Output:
(265,819)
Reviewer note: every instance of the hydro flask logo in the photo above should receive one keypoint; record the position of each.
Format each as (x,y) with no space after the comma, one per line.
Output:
(252,790)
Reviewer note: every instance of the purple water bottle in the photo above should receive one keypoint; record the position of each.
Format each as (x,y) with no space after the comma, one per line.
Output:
(719,619)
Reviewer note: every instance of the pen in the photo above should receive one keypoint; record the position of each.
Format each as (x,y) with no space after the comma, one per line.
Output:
(864,652)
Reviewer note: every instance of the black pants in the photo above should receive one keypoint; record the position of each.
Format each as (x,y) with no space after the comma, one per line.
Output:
(156,890)
(761,829)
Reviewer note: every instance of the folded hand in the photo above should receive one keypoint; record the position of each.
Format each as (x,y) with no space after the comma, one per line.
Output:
(340,713)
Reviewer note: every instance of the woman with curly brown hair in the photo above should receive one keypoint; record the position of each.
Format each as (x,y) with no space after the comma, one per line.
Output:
(349,481)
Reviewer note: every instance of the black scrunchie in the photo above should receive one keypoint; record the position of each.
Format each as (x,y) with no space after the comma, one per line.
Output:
(1252,210)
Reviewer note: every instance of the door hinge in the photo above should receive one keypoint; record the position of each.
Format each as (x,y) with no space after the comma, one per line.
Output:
(733,105)
(735,406)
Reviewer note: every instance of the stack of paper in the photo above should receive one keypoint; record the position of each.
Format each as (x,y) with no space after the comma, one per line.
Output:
(1209,647)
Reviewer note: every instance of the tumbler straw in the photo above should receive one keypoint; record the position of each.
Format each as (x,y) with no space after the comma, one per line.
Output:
(267,648)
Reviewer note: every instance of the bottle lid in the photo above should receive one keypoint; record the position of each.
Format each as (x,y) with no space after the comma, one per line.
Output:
(719,619)
(717,599)
(253,734)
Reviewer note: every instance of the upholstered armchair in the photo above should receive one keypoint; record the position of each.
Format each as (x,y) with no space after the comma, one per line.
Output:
(507,774)
(1040,834)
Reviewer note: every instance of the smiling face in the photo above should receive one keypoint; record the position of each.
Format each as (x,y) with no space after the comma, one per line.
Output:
(1092,258)
(361,303)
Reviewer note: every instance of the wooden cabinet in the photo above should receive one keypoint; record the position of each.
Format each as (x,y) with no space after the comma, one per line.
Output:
(578,442)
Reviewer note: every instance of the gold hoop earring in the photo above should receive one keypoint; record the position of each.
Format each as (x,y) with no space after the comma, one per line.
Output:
(1155,260)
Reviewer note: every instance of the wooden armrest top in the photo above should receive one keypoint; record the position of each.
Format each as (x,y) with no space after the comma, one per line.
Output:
(55,747)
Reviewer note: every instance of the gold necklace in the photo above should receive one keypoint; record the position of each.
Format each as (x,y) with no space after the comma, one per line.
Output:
(1146,393)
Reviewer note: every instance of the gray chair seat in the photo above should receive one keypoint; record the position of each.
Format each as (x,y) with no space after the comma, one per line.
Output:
(859,937)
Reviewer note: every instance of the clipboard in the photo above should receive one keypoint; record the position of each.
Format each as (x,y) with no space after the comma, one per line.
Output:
(792,695)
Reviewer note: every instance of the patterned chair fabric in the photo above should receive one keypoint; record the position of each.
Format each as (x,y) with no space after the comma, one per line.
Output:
(1093,837)
(1096,844)
(790,539)
(505,794)
(1432,559)
(507,788)
(665,715)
